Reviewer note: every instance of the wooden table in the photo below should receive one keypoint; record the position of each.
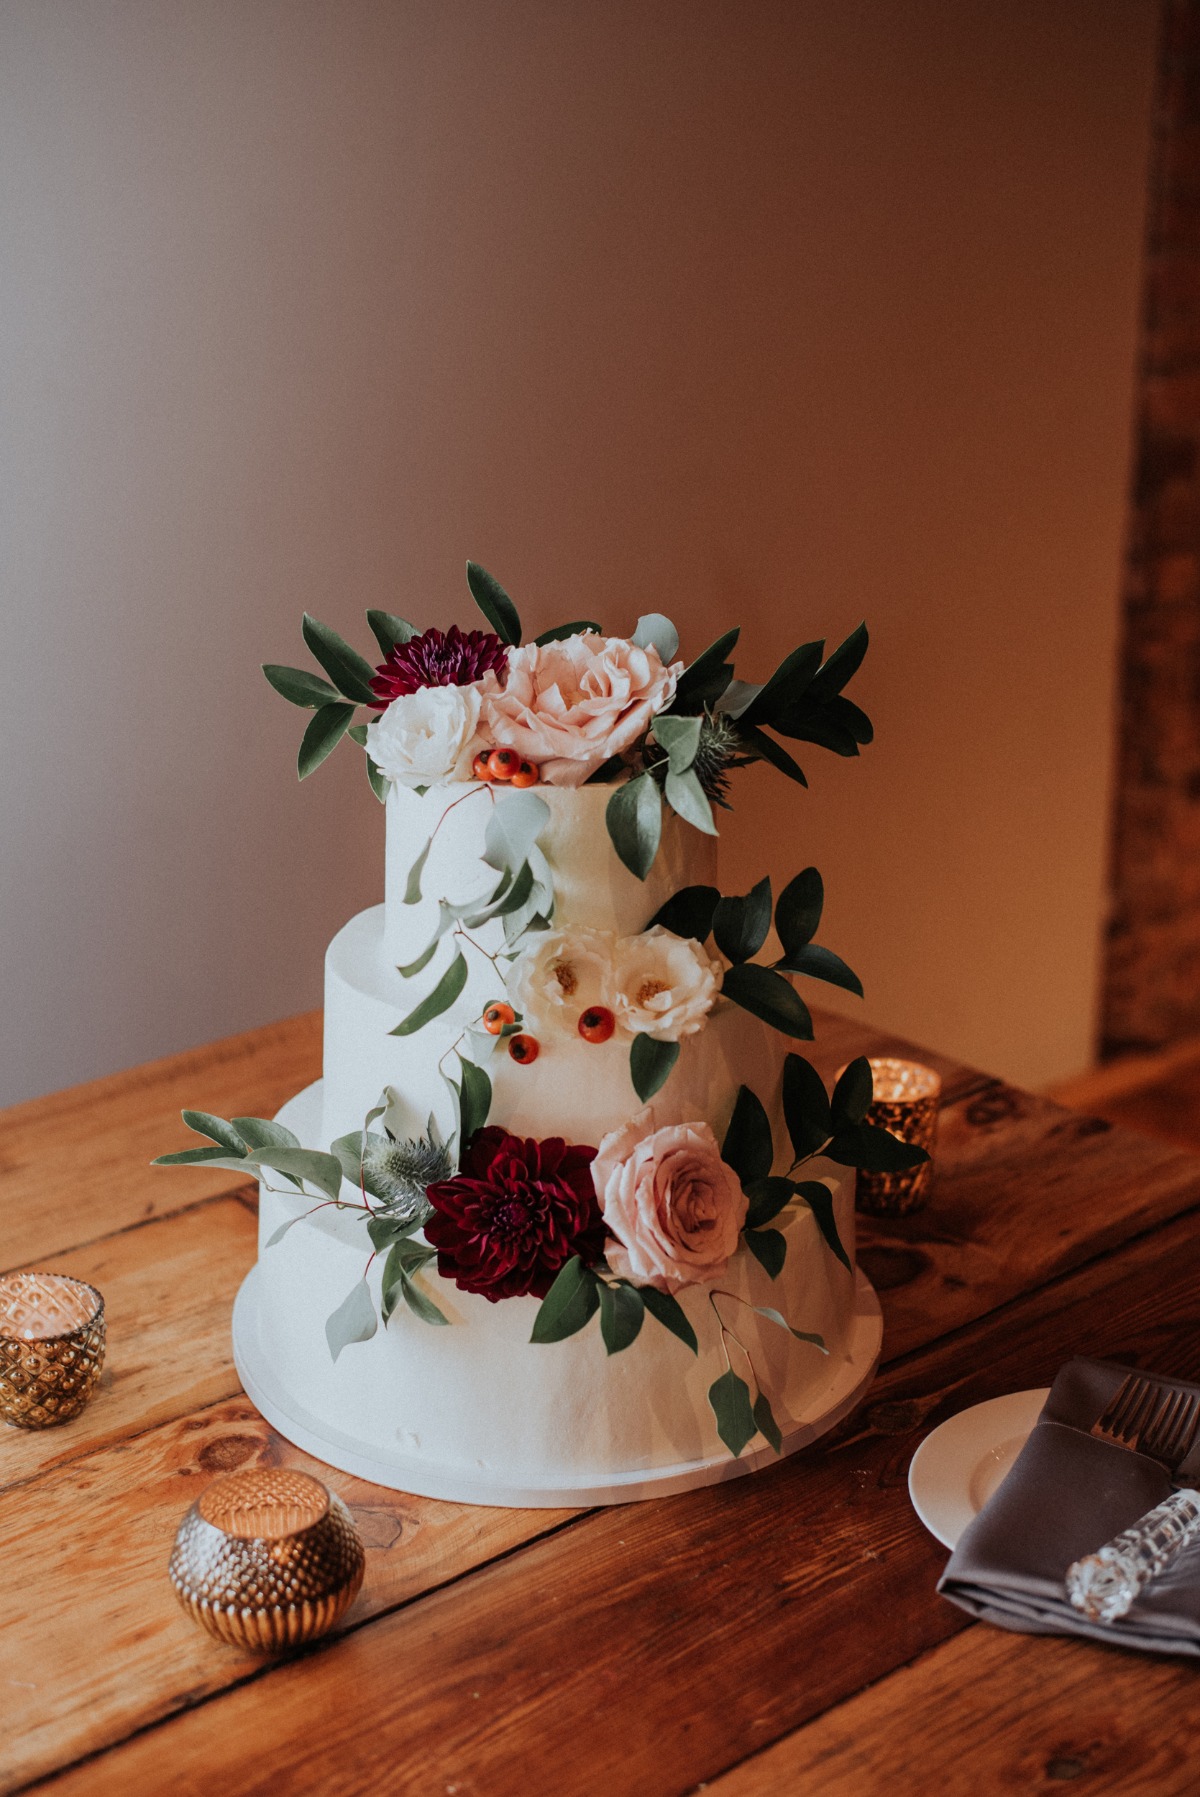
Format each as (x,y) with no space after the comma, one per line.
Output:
(775,1634)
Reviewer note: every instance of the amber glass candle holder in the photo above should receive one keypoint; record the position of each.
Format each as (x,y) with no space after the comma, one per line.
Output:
(905,1101)
(267,1559)
(51,1347)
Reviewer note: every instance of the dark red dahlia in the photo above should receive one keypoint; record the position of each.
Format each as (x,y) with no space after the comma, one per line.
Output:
(514,1214)
(451,657)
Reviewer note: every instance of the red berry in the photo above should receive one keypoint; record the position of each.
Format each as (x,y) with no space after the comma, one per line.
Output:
(523,1049)
(480,767)
(526,775)
(597,1024)
(503,763)
(497,1017)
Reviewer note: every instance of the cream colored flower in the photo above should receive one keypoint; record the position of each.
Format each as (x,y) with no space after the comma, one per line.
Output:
(663,985)
(560,974)
(674,1206)
(431,735)
(568,706)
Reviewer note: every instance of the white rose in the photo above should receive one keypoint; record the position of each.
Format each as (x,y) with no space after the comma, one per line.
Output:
(430,735)
(662,985)
(560,974)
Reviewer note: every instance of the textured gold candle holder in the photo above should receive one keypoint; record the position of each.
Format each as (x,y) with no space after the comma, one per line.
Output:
(905,1101)
(267,1559)
(52,1339)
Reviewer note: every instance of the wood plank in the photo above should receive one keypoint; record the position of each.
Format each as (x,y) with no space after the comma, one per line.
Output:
(168,1293)
(76,1165)
(92,1641)
(648,1649)
(997,1712)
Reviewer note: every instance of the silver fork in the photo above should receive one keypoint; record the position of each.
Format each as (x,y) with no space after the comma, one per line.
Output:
(1160,1421)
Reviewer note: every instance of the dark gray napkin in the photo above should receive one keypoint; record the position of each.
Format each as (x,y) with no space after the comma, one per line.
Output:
(1066,1495)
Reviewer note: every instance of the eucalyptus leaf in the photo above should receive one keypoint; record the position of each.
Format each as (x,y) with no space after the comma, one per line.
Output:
(656,632)
(740,925)
(801,1335)
(277,1235)
(650,1064)
(354,1320)
(517,821)
(263,1132)
(688,800)
(688,913)
(423,959)
(737,698)
(768,995)
(821,964)
(767,1198)
(412,888)
(729,1397)
(440,999)
(819,1199)
(842,665)
(668,1311)
(621,1314)
(634,819)
(325,731)
(200,1157)
(420,1303)
(768,1247)
(476,1089)
(298,686)
(203,1123)
(348,1152)
(768,1428)
(380,784)
(388,630)
(805,1106)
(680,737)
(510,896)
(798,912)
(321,1170)
(874,1150)
(706,679)
(494,603)
(748,1147)
(852,1095)
(345,666)
(385,1232)
(571,1302)
(561,632)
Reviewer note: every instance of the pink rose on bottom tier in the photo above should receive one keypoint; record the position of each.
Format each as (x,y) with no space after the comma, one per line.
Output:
(673,1204)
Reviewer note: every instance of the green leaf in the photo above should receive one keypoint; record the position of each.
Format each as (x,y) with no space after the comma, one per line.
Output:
(508,898)
(798,913)
(767,1198)
(853,718)
(379,781)
(768,995)
(819,1199)
(668,1311)
(421,1305)
(821,964)
(768,1247)
(801,1335)
(650,1064)
(440,999)
(729,1397)
(277,1235)
(517,820)
(768,750)
(680,737)
(688,799)
(423,959)
(570,1303)
(737,698)
(853,1093)
(842,665)
(688,913)
(354,1320)
(704,681)
(321,1170)
(348,1151)
(655,631)
(748,1147)
(874,1150)
(790,681)
(388,630)
(494,603)
(805,1106)
(298,686)
(412,889)
(385,1232)
(476,1099)
(634,819)
(561,632)
(357,733)
(325,731)
(740,925)
(345,666)
(768,1428)
(621,1315)
(199,1157)
(203,1123)
(261,1132)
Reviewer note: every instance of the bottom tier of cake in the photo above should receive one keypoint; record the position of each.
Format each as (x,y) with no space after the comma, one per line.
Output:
(477,1413)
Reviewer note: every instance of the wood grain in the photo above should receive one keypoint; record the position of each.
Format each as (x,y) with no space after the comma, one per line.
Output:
(646,1650)
(991,1711)
(76,1165)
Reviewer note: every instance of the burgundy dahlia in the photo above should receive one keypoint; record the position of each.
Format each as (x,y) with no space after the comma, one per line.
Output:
(514,1215)
(437,658)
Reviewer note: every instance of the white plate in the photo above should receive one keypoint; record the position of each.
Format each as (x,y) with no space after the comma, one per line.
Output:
(956,1469)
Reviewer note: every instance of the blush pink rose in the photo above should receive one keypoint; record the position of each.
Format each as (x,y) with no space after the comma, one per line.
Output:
(568,706)
(674,1206)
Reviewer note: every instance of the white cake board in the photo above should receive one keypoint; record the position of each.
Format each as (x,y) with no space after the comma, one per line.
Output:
(422,1477)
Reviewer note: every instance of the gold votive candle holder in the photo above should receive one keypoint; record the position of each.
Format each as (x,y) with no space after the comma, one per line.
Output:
(52,1339)
(267,1559)
(905,1101)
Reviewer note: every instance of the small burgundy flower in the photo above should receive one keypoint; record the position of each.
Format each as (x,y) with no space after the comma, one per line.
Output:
(515,1213)
(437,658)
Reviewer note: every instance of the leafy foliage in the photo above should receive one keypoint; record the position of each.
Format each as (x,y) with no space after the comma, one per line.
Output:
(650,1064)
(572,1301)
(667,1310)
(729,1398)
(622,1312)
(634,819)
(494,603)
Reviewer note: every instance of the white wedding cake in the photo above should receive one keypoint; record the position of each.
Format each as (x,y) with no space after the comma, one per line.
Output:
(558,1225)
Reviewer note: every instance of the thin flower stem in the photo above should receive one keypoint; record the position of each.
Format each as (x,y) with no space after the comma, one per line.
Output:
(494,959)
(462,801)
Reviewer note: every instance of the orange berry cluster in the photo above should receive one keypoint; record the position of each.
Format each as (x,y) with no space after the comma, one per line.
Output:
(596,1024)
(504,767)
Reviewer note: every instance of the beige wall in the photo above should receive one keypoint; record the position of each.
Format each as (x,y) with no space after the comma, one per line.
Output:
(787,313)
